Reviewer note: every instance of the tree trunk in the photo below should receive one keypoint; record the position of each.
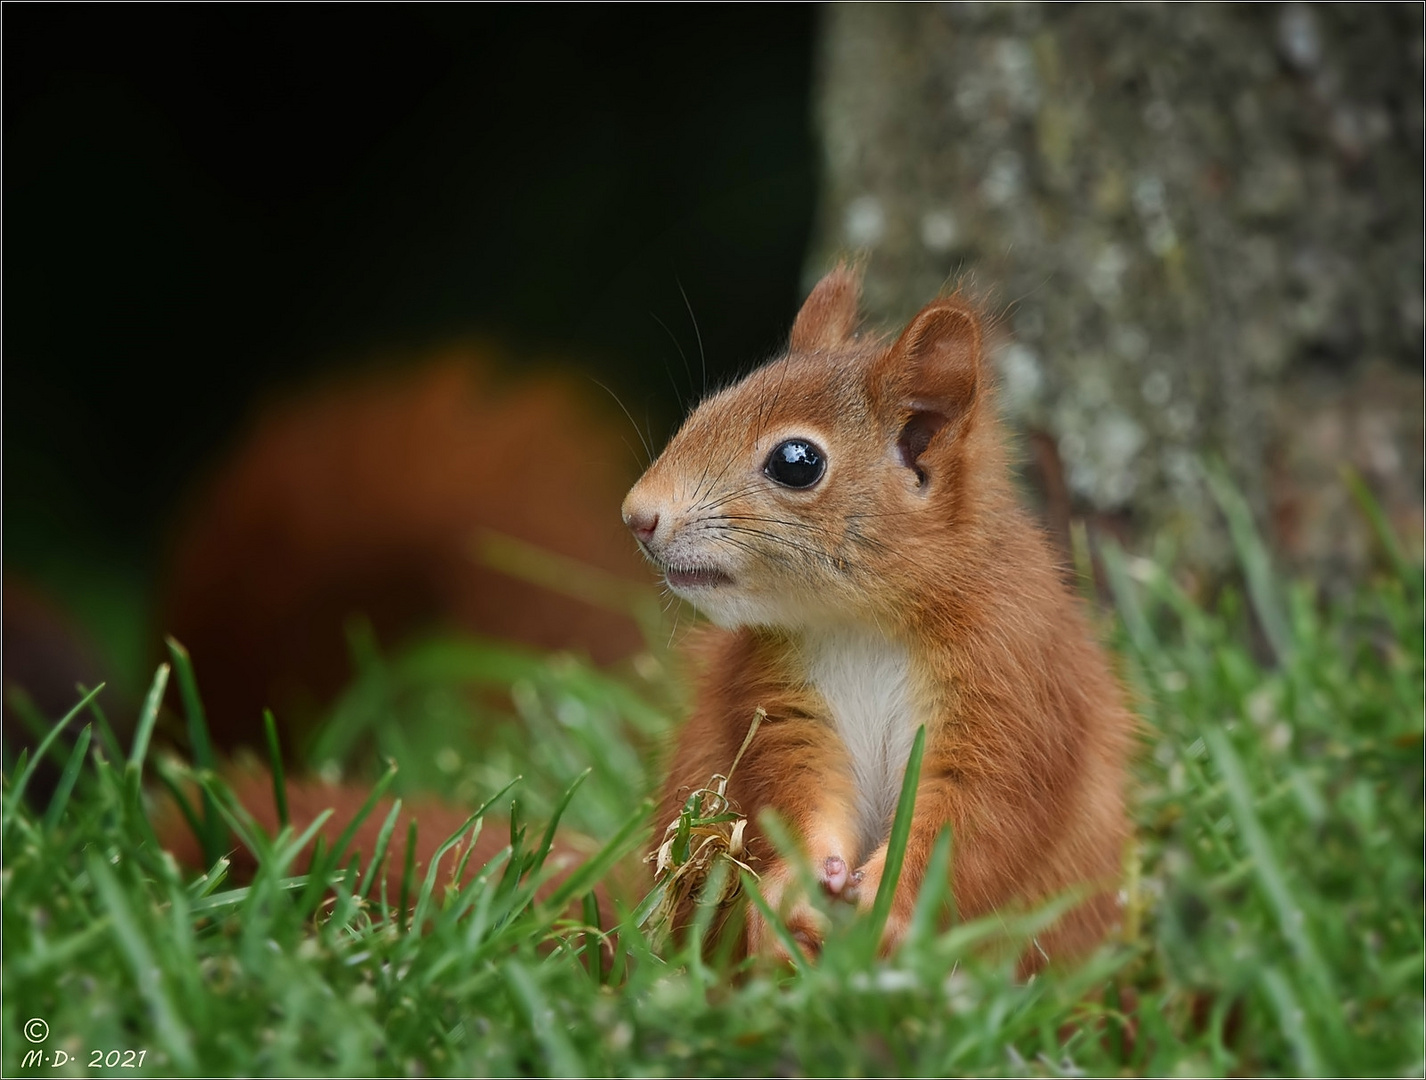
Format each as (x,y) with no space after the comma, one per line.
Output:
(1201,227)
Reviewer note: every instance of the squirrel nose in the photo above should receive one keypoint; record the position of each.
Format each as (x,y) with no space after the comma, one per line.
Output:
(642,523)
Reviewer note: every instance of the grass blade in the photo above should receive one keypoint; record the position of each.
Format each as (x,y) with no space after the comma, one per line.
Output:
(1126,600)
(1386,536)
(274,760)
(547,841)
(428,886)
(936,892)
(339,849)
(583,877)
(174,786)
(60,799)
(774,922)
(1291,1021)
(408,870)
(23,707)
(107,739)
(148,717)
(229,810)
(147,973)
(284,852)
(30,764)
(649,904)
(214,837)
(383,839)
(201,745)
(1255,561)
(896,843)
(594,938)
(475,831)
(1291,919)
(559,1052)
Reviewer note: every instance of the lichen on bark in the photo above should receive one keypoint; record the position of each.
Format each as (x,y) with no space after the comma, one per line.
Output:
(1201,225)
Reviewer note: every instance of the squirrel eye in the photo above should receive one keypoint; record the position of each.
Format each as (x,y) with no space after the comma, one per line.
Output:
(795,463)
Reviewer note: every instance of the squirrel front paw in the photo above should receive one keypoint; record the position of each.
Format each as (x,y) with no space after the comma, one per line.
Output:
(828,848)
(833,874)
(865,880)
(807,925)
(862,887)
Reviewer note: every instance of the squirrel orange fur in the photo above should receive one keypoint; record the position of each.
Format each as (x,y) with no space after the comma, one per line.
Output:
(845,517)
(366,496)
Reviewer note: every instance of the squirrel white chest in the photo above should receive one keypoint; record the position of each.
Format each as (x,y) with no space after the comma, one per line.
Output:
(866,683)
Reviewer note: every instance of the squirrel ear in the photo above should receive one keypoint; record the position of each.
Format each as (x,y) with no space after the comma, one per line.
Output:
(931,376)
(829,314)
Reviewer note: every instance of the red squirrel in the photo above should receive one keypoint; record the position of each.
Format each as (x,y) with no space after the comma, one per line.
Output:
(845,517)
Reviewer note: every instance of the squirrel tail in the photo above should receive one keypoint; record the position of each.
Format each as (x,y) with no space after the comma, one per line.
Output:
(366,497)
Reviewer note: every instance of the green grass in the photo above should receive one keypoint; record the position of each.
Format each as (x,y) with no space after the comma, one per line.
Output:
(1274,892)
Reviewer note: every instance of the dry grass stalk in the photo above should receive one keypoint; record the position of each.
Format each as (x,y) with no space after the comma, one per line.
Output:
(708,827)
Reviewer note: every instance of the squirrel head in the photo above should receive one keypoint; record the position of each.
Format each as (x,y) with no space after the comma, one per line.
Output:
(830,485)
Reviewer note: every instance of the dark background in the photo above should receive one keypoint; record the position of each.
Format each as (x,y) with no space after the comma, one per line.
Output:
(205,204)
